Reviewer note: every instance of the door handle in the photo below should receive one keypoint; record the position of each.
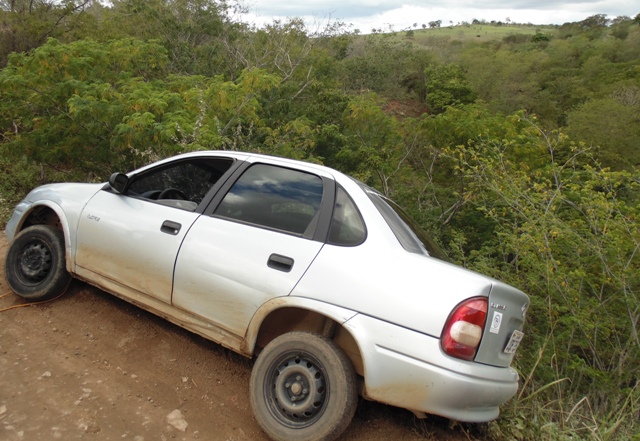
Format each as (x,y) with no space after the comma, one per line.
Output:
(170,227)
(280,263)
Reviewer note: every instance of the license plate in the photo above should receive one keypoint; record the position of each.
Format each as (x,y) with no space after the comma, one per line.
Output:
(514,342)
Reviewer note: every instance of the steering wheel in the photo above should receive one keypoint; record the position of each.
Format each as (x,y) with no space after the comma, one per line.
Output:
(173,193)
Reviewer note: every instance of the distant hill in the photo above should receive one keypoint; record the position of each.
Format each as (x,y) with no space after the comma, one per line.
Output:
(470,32)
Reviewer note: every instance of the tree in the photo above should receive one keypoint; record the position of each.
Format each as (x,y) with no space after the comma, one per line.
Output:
(190,30)
(610,126)
(539,37)
(446,86)
(27,24)
(566,235)
(385,66)
(595,21)
(372,139)
(92,108)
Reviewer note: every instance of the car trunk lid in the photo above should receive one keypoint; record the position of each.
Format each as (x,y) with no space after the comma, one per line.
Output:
(503,330)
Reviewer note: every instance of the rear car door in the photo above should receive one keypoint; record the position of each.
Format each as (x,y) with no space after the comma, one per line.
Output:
(254,243)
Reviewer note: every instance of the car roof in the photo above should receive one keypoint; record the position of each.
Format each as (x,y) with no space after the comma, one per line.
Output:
(256,157)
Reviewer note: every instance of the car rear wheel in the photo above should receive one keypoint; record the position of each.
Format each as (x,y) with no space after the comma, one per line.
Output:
(36,266)
(303,388)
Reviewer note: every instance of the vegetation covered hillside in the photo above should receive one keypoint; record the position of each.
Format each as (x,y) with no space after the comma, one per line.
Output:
(517,146)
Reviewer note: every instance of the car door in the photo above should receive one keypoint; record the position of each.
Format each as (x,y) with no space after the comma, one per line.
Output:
(257,242)
(133,238)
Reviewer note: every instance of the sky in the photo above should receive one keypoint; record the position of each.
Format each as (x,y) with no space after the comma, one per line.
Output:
(397,15)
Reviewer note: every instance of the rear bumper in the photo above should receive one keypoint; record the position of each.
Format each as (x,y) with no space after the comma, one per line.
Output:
(408,369)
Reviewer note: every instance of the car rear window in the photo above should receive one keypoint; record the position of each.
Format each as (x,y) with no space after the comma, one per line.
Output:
(410,235)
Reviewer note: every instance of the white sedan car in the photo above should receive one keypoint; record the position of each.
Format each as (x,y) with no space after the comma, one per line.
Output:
(319,276)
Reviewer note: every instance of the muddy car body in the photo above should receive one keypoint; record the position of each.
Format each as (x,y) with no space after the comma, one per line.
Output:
(302,266)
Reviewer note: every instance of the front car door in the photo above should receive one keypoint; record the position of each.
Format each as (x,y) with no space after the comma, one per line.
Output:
(254,243)
(132,239)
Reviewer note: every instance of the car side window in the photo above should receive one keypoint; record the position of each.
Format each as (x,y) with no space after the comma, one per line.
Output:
(274,197)
(347,225)
(181,185)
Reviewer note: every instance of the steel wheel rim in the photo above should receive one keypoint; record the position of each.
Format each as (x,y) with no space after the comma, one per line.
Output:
(35,262)
(297,389)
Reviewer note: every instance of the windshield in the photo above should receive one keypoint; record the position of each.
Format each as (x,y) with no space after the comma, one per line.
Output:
(409,233)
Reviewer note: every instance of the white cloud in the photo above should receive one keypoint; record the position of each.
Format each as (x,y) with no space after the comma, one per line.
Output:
(400,14)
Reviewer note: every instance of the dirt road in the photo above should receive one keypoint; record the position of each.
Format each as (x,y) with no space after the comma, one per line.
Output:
(88,366)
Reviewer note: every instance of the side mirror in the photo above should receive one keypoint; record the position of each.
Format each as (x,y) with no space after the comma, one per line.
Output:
(118,182)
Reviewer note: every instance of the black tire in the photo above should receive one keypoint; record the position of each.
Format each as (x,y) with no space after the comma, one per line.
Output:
(36,264)
(303,388)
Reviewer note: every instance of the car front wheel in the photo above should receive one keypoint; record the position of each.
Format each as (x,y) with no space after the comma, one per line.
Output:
(36,266)
(303,388)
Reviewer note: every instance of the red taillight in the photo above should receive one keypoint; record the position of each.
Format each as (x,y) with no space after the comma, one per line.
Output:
(464,328)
